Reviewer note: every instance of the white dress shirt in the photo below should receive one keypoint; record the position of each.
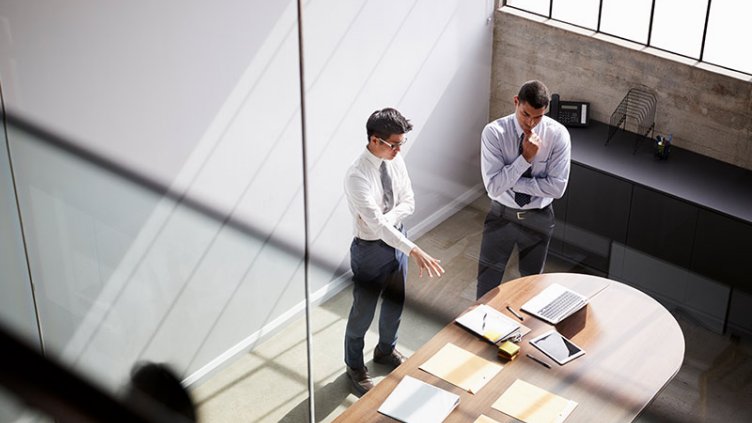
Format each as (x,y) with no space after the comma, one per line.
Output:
(365,198)
(502,165)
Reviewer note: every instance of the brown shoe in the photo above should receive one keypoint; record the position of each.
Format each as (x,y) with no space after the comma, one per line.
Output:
(394,358)
(361,382)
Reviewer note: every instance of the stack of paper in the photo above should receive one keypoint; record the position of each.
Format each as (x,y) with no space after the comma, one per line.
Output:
(461,368)
(414,401)
(532,404)
(489,323)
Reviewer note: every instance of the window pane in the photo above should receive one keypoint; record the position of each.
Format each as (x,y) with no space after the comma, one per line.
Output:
(578,12)
(728,33)
(678,26)
(540,7)
(628,20)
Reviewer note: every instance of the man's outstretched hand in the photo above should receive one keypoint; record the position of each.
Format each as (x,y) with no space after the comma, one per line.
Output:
(427,263)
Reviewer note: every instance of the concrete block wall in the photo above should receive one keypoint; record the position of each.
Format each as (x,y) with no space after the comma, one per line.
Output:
(708,111)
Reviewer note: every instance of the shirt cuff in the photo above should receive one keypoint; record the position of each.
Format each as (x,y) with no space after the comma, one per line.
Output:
(406,246)
(521,164)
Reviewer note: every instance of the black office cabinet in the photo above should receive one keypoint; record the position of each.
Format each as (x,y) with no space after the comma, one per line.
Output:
(723,250)
(597,214)
(662,226)
(560,212)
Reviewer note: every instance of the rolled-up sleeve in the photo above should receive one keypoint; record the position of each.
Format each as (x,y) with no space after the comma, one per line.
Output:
(403,193)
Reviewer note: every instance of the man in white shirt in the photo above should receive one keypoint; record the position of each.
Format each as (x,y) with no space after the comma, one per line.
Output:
(525,166)
(380,196)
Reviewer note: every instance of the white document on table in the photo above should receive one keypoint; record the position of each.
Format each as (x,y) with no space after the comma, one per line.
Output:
(531,404)
(461,368)
(415,401)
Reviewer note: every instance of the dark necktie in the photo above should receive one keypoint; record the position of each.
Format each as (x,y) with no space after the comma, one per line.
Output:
(520,198)
(386,183)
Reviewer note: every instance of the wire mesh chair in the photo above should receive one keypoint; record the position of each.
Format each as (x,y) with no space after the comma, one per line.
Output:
(635,112)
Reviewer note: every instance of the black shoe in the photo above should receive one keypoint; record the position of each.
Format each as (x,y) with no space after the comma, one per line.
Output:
(360,379)
(394,358)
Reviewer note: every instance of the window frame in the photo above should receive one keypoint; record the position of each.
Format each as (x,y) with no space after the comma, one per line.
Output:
(700,59)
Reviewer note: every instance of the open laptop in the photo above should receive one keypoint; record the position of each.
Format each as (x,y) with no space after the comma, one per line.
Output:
(554,304)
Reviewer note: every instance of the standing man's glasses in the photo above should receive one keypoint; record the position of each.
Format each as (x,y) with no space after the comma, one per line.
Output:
(393,146)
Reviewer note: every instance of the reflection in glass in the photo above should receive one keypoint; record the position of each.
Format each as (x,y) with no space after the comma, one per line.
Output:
(12,410)
(17,311)
(125,274)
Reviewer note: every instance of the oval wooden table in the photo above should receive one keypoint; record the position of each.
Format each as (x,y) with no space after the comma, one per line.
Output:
(634,347)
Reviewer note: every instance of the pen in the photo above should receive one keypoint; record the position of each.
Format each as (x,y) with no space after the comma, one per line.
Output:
(517,315)
(539,361)
(483,327)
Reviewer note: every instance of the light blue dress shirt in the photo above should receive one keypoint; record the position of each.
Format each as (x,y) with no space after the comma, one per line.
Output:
(502,165)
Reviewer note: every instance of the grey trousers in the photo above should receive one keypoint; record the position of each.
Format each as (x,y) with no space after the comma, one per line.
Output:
(504,227)
(379,271)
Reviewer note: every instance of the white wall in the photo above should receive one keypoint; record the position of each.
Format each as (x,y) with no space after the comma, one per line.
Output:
(430,60)
(204,98)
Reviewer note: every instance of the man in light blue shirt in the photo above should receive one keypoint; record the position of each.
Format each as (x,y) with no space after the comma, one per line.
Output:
(525,166)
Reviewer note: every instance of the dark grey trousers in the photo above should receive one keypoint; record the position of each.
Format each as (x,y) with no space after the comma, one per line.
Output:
(504,227)
(379,271)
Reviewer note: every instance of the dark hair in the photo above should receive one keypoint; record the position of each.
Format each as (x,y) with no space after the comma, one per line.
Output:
(154,385)
(534,93)
(386,122)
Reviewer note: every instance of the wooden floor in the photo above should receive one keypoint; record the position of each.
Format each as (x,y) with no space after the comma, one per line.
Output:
(713,385)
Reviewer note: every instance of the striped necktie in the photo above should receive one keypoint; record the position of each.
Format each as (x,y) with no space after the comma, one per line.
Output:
(520,198)
(386,183)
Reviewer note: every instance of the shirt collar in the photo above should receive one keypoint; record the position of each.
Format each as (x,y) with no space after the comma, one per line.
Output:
(371,158)
(516,125)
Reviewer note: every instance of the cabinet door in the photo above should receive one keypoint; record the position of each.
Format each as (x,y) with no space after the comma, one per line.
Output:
(661,226)
(722,249)
(560,212)
(597,214)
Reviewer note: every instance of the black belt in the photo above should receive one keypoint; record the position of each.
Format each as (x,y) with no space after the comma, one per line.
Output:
(369,241)
(518,213)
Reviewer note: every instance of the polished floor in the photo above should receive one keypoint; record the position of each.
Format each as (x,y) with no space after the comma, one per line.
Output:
(269,384)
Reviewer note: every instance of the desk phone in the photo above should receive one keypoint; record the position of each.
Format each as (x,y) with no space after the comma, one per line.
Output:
(569,113)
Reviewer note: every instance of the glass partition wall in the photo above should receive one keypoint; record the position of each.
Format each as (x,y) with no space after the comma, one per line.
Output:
(172,228)
(164,197)
(152,233)
(124,272)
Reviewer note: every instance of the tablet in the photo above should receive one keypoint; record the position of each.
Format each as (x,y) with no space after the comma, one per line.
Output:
(557,347)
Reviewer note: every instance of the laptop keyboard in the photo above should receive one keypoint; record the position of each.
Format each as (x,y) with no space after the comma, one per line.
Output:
(559,305)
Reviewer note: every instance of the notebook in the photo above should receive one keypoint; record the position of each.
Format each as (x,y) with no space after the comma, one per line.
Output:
(555,304)
(489,323)
(415,401)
